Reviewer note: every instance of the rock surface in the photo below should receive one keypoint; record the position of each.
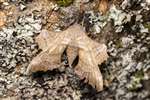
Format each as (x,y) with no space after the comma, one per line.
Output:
(125,28)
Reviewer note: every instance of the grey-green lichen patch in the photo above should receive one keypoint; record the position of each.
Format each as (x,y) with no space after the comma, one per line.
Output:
(118,16)
(17,48)
(114,14)
(129,57)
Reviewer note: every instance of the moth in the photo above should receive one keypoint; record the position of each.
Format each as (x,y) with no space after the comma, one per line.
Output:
(76,43)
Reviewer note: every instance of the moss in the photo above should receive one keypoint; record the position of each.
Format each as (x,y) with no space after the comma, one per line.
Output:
(136,82)
(118,43)
(139,74)
(64,3)
(134,87)
(147,25)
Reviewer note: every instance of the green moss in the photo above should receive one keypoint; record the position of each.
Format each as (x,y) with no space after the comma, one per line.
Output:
(118,43)
(134,86)
(139,74)
(64,3)
(147,25)
(136,82)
